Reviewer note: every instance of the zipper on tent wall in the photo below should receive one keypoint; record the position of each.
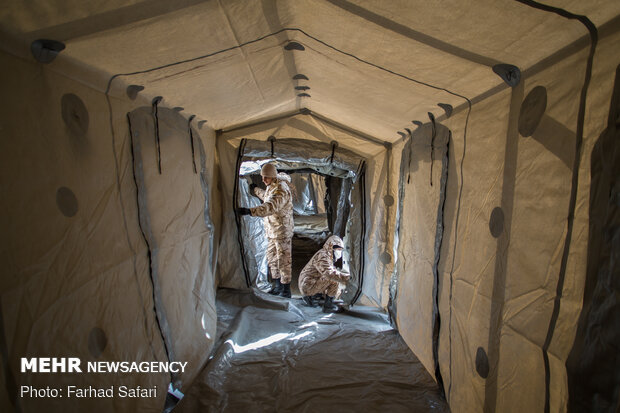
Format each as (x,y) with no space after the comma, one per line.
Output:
(362,255)
(438,241)
(237,216)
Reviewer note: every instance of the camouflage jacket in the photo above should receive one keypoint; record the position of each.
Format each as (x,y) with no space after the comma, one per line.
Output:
(277,208)
(322,264)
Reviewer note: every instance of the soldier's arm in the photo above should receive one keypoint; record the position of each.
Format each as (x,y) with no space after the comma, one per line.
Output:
(272,205)
(260,193)
(326,268)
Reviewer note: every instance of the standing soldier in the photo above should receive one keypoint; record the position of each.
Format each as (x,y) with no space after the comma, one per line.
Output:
(320,276)
(277,210)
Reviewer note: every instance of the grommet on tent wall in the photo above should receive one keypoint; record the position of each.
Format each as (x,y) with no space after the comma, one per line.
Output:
(97,342)
(294,46)
(482,363)
(156,100)
(385,257)
(303,95)
(74,114)
(408,131)
(133,90)
(178,109)
(496,222)
(403,135)
(446,108)
(202,122)
(299,76)
(302,87)
(532,110)
(509,73)
(191,118)
(45,50)
(388,200)
(417,123)
(66,201)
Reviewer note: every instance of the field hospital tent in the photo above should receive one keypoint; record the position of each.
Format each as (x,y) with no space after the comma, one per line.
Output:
(466,151)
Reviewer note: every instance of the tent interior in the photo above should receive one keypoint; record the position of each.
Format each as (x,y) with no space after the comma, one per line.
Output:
(467,152)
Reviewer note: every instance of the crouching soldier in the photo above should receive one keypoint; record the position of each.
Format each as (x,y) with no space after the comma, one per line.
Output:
(277,211)
(320,276)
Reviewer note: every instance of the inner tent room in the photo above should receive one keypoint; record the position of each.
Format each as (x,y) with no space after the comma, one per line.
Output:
(466,154)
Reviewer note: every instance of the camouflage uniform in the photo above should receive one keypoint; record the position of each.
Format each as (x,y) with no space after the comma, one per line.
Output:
(277,210)
(319,276)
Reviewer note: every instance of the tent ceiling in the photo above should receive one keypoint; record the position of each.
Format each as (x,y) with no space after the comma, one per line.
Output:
(448,45)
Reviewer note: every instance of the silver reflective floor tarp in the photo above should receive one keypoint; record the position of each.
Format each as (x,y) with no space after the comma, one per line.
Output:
(275,354)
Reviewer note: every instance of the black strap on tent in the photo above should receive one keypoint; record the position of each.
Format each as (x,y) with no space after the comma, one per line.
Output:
(433,135)
(409,160)
(248,281)
(334,146)
(155,103)
(148,247)
(191,140)
(272,140)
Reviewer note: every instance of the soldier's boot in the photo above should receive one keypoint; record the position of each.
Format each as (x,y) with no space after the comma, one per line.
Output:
(308,301)
(329,306)
(286,290)
(277,289)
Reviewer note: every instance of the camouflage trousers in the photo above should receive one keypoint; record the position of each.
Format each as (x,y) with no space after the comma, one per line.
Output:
(279,259)
(320,285)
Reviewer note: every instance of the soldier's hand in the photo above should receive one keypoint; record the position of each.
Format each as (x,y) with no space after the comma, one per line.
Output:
(243,211)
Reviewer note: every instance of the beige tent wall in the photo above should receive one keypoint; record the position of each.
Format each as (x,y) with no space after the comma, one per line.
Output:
(605,64)
(532,184)
(382,200)
(76,273)
(590,370)
(481,180)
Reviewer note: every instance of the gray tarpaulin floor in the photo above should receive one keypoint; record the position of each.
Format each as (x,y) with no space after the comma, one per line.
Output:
(274,354)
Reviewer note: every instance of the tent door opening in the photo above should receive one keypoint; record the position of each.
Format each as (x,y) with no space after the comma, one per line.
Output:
(327,200)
